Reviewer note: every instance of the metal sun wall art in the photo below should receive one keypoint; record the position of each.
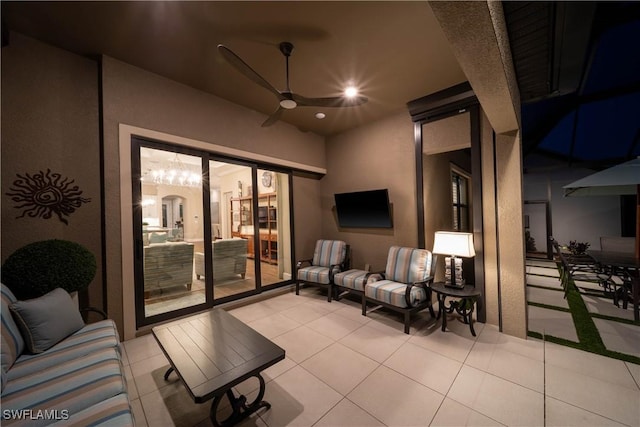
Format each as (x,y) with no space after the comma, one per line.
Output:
(44,194)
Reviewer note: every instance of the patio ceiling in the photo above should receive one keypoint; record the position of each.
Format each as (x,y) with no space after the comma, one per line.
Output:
(394,52)
(577,63)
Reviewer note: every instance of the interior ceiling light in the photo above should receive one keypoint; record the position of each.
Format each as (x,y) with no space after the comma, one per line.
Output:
(320,115)
(175,172)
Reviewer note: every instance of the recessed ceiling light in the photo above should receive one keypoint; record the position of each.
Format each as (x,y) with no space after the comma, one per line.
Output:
(320,115)
(350,92)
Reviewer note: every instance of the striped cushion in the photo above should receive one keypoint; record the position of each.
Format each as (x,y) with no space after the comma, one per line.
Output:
(12,343)
(92,337)
(329,252)
(314,274)
(408,265)
(352,279)
(393,293)
(74,386)
(115,411)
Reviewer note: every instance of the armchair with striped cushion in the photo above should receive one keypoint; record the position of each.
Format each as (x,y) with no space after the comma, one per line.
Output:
(329,258)
(404,285)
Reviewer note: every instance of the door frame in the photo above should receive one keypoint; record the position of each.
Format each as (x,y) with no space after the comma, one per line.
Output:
(450,102)
(549,227)
(138,142)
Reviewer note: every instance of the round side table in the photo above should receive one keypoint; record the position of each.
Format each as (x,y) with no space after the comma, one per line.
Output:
(468,297)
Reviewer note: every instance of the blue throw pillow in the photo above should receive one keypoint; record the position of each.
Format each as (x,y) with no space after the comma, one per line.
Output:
(47,320)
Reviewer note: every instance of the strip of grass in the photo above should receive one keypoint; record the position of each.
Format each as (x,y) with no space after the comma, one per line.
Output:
(615,319)
(579,346)
(548,289)
(588,334)
(550,307)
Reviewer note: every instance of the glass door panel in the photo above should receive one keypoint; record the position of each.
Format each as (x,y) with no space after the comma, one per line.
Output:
(172,232)
(446,171)
(274,227)
(233,250)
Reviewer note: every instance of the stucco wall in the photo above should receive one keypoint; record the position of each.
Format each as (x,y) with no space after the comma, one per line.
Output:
(584,219)
(138,98)
(50,121)
(375,156)
(510,236)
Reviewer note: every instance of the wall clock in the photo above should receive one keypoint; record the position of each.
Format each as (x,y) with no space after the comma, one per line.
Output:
(267,178)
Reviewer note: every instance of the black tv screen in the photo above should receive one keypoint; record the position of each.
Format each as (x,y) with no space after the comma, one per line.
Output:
(364,209)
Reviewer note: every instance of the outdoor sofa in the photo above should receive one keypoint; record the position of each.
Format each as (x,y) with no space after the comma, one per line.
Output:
(55,369)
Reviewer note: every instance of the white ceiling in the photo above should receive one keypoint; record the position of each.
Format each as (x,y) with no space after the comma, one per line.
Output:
(393,51)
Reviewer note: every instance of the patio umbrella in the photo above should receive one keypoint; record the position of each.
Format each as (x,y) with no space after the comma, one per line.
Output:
(622,179)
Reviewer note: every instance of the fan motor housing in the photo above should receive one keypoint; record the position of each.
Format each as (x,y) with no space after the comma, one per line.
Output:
(286,48)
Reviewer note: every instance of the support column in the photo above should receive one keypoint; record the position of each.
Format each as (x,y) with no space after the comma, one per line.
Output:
(477,34)
(511,247)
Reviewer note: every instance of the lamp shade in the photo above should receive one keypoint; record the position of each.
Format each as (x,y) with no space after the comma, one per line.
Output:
(454,243)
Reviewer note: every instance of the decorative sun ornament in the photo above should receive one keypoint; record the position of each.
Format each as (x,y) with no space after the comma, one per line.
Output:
(44,194)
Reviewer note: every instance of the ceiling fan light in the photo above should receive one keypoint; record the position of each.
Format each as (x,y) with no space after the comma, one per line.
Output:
(288,104)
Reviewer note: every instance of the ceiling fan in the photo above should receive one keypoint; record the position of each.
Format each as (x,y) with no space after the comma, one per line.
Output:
(287,99)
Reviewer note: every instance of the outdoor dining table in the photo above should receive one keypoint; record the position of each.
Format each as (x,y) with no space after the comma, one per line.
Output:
(627,262)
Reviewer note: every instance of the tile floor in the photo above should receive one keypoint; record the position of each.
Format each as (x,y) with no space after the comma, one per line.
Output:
(343,369)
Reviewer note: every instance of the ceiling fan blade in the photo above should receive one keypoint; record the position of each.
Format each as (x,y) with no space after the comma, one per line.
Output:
(337,101)
(273,117)
(245,69)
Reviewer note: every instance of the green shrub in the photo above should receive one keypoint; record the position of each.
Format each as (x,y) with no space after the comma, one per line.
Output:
(40,267)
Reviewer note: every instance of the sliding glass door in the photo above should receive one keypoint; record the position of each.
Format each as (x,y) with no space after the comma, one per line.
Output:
(232,260)
(273,226)
(207,229)
(171,234)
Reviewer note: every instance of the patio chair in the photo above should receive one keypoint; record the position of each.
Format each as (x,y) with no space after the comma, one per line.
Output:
(404,285)
(329,258)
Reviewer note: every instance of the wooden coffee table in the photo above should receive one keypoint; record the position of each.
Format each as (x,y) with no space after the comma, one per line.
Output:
(212,352)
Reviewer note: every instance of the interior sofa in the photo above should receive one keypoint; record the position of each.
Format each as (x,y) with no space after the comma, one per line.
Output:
(229,259)
(167,265)
(51,378)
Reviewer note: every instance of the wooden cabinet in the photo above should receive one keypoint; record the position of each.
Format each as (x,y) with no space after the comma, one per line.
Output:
(269,248)
(241,215)
(267,217)
(268,225)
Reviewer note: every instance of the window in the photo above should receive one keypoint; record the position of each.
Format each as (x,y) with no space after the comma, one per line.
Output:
(460,200)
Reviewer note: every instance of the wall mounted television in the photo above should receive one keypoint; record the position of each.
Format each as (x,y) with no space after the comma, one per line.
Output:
(364,209)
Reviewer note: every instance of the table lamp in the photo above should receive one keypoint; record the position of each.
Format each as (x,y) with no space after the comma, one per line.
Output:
(454,244)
